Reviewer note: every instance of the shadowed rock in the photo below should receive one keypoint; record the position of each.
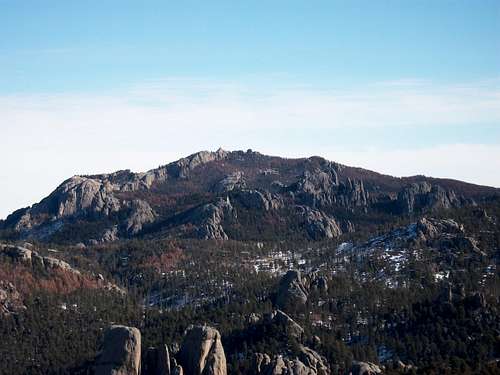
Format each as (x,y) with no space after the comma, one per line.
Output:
(202,352)
(120,352)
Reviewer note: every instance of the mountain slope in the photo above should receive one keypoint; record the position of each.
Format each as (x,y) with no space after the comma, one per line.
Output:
(239,195)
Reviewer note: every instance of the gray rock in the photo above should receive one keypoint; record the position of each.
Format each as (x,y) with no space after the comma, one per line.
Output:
(120,353)
(257,200)
(291,290)
(11,300)
(420,196)
(202,352)
(365,368)
(183,167)
(209,219)
(318,224)
(231,182)
(140,213)
(308,363)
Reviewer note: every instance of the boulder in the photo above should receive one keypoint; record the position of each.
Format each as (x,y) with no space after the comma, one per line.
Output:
(202,352)
(120,352)
(291,290)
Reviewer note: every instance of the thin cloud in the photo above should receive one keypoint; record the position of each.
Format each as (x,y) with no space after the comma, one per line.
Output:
(54,136)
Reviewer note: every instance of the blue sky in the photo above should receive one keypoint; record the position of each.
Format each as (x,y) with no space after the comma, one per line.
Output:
(402,87)
(87,45)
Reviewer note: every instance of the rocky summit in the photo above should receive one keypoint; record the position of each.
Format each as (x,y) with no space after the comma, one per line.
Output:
(239,263)
(208,195)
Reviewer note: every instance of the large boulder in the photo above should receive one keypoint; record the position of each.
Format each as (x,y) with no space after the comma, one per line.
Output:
(291,290)
(120,352)
(202,352)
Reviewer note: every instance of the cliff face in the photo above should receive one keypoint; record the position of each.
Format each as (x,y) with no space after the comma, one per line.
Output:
(203,194)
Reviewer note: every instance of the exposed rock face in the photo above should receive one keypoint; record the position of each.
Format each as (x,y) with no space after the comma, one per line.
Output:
(183,167)
(202,352)
(10,299)
(120,353)
(365,368)
(230,182)
(110,234)
(209,219)
(80,196)
(140,213)
(317,186)
(294,288)
(21,254)
(308,363)
(422,195)
(446,234)
(429,228)
(318,224)
(255,199)
(291,290)
(129,201)
(260,362)
(322,187)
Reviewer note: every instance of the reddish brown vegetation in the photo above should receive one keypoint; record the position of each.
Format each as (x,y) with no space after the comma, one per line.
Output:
(164,262)
(56,280)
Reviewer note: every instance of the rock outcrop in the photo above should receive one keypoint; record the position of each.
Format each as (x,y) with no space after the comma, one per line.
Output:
(420,196)
(209,219)
(202,352)
(365,368)
(291,290)
(322,187)
(231,182)
(55,268)
(308,362)
(183,167)
(120,353)
(294,288)
(140,214)
(317,224)
(254,199)
(11,300)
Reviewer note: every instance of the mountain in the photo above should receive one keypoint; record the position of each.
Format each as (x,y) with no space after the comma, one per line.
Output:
(241,263)
(233,195)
